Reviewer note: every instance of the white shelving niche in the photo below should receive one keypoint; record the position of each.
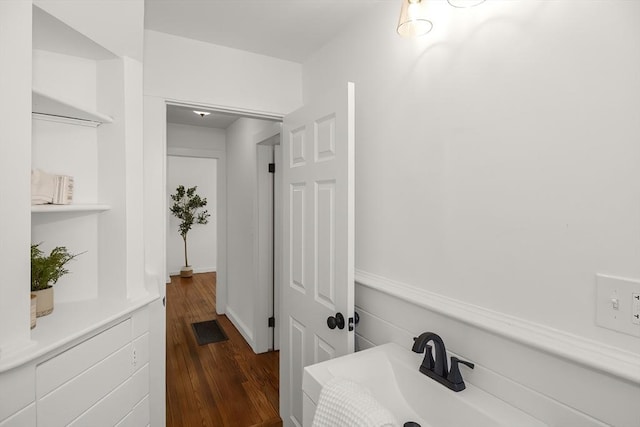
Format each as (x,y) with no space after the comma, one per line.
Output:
(79,128)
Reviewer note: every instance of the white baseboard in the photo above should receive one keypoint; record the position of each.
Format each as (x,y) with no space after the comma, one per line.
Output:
(195,270)
(246,333)
(596,355)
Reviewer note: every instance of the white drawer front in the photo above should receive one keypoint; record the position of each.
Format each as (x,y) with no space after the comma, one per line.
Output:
(24,418)
(117,404)
(139,417)
(17,389)
(67,402)
(140,322)
(141,351)
(62,368)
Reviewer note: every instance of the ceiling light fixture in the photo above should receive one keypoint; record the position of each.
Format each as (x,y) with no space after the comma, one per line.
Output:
(413,16)
(202,113)
(413,21)
(464,3)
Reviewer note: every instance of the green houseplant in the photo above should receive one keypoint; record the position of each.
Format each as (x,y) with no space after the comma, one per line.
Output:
(45,272)
(187,207)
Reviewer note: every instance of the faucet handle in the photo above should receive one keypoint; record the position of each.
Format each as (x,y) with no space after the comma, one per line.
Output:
(454,374)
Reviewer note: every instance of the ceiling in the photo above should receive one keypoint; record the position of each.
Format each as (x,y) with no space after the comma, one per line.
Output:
(186,116)
(285,29)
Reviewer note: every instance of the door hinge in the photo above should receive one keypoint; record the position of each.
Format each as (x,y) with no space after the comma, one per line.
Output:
(272,168)
(272,322)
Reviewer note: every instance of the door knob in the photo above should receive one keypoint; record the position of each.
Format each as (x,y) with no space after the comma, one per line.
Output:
(338,321)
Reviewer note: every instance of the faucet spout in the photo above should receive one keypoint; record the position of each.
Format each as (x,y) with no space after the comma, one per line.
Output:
(438,369)
(440,366)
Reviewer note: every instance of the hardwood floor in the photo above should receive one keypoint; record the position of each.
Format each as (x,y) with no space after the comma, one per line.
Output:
(220,384)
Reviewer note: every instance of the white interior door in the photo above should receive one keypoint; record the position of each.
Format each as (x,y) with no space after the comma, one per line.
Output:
(318,240)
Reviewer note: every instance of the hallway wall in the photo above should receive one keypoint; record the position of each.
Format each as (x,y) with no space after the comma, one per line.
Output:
(242,265)
(193,141)
(235,79)
(202,239)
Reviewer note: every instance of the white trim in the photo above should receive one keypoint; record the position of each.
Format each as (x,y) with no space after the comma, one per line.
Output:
(254,114)
(605,358)
(241,327)
(52,105)
(192,152)
(66,120)
(195,271)
(69,208)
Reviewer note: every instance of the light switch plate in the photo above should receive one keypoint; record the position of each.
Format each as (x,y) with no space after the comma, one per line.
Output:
(617,292)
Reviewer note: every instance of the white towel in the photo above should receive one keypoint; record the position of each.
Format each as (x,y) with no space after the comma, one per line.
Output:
(42,187)
(343,403)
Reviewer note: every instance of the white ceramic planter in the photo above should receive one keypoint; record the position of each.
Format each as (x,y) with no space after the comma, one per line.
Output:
(44,304)
(34,300)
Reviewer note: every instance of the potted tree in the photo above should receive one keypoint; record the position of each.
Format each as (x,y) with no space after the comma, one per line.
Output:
(45,272)
(187,207)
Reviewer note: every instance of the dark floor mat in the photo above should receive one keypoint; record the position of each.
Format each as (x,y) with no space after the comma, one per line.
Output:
(208,332)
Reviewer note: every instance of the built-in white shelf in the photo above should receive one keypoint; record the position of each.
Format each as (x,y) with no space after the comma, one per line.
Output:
(46,104)
(71,321)
(69,208)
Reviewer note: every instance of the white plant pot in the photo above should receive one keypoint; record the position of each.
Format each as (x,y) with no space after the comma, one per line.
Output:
(34,299)
(44,302)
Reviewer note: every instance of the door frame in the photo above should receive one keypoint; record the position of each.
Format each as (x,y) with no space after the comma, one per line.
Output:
(221,202)
(267,243)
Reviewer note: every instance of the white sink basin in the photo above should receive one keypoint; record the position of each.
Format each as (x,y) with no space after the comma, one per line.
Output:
(391,373)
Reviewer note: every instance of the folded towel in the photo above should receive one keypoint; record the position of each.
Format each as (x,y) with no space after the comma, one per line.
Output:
(42,187)
(345,403)
(48,188)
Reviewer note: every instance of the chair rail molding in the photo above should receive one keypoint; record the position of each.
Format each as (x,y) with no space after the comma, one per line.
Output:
(605,358)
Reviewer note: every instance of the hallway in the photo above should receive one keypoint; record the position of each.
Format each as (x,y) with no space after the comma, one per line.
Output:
(221,384)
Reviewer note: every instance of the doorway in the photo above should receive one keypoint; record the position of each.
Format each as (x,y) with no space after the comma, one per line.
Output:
(242,295)
(241,146)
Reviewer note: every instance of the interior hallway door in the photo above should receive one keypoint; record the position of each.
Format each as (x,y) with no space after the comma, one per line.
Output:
(318,241)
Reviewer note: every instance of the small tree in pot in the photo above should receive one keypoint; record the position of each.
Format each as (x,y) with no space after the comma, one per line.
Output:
(45,272)
(187,207)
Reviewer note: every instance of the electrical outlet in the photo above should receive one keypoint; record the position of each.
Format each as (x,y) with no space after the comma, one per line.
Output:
(618,304)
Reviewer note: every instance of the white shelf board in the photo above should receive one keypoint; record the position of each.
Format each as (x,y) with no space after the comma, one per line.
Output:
(51,105)
(69,208)
(51,34)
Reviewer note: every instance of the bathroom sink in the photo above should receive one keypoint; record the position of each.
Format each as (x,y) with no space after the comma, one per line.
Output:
(391,373)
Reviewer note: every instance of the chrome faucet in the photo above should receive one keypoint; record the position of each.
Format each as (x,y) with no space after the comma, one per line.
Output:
(438,368)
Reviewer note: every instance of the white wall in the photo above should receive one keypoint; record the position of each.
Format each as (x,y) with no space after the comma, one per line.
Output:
(233,79)
(242,187)
(195,137)
(202,239)
(202,73)
(193,142)
(15,108)
(497,157)
(497,164)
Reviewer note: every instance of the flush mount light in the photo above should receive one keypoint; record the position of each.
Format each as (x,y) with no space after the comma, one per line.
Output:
(413,21)
(464,3)
(202,113)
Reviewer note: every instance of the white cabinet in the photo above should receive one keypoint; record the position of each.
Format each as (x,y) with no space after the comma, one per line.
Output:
(83,125)
(17,389)
(24,418)
(102,380)
(91,354)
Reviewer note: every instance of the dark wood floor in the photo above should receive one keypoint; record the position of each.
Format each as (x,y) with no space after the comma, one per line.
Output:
(221,384)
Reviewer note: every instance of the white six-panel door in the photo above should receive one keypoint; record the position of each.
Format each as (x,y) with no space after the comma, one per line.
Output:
(318,240)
